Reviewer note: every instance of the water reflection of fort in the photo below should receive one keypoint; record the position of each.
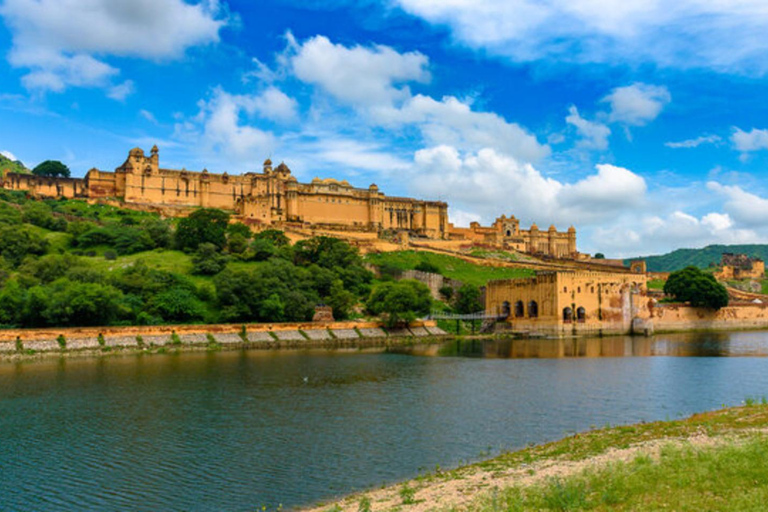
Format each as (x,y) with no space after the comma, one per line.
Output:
(677,345)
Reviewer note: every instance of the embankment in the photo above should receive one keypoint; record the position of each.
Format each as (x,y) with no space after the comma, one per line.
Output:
(21,343)
(710,461)
(737,316)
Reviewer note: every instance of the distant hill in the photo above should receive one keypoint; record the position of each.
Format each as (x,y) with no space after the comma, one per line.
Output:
(8,165)
(701,258)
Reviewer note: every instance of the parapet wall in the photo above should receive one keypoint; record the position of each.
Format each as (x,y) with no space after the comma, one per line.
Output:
(678,317)
(288,335)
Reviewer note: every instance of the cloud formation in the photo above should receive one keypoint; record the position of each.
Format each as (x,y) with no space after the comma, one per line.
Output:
(753,140)
(686,34)
(637,104)
(63,42)
(485,181)
(694,143)
(594,135)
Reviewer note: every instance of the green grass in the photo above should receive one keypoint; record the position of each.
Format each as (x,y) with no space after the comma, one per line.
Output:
(656,284)
(449,266)
(729,477)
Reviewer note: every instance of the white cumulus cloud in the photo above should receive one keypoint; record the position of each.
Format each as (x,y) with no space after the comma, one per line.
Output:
(490,183)
(63,42)
(746,208)
(726,36)
(594,135)
(637,104)
(753,140)
(358,75)
(222,127)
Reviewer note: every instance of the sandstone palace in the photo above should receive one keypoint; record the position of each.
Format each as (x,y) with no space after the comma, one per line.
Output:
(275,198)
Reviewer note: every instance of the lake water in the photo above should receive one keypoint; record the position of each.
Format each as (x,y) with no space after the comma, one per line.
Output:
(238,430)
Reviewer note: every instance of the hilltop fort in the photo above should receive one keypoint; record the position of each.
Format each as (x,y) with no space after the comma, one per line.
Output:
(275,198)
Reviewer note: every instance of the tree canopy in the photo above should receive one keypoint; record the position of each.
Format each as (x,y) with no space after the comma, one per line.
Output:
(207,225)
(51,168)
(399,301)
(699,288)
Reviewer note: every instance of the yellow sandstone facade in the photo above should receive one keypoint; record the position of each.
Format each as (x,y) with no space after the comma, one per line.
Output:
(271,198)
(505,232)
(570,301)
(275,198)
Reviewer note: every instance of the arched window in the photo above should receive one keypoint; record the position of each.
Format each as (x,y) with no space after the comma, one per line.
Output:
(505,309)
(519,309)
(567,315)
(509,232)
(581,314)
(533,309)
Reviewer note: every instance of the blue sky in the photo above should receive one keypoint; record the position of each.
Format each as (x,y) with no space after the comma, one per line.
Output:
(641,122)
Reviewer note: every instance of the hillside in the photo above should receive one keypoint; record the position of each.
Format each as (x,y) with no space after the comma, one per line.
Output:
(8,165)
(701,258)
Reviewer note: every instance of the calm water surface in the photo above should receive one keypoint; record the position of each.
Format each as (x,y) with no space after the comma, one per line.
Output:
(238,430)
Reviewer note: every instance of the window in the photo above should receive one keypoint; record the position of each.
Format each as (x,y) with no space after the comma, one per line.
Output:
(567,315)
(533,309)
(505,309)
(581,314)
(519,309)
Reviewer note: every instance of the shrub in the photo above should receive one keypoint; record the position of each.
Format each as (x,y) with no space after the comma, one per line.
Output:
(19,345)
(110,255)
(102,341)
(446,292)
(426,266)
(399,302)
(175,340)
(62,341)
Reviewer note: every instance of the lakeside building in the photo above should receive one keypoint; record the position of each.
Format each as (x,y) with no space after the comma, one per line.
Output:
(559,302)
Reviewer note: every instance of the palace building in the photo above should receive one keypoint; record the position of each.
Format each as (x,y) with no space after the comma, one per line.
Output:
(275,198)
(506,232)
(271,198)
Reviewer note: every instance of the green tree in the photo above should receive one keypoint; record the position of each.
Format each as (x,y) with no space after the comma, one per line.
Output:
(204,226)
(16,243)
(599,256)
(468,299)
(207,260)
(698,288)
(237,244)
(177,305)
(399,301)
(274,236)
(238,228)
(51,168)
(342,301)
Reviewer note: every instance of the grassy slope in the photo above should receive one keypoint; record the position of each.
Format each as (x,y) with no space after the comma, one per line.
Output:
(8,165)
(701,258)
(710,461)
(449,266)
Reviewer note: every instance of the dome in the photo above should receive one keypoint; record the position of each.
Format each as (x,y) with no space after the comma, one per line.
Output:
(534,227)
(571,229)
(267,162)
(552,228)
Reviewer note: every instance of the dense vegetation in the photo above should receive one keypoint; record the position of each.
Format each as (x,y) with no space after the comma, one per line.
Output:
(702,258)
(697,287)
(8,165)
(68,263)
